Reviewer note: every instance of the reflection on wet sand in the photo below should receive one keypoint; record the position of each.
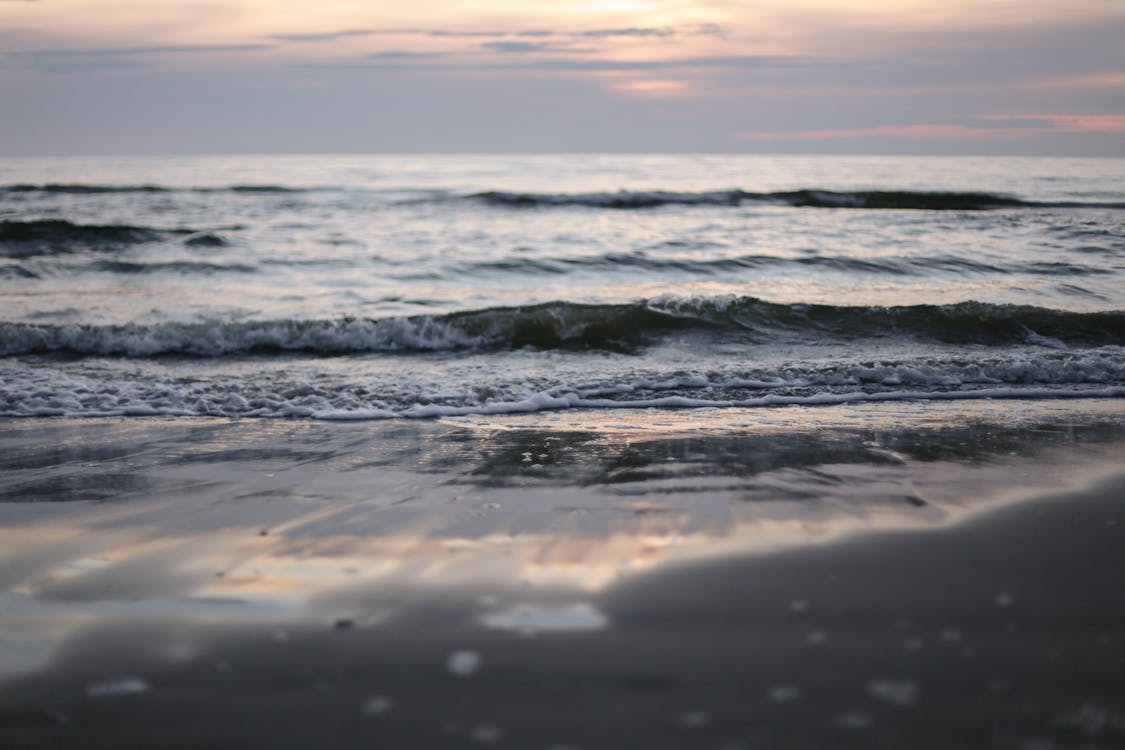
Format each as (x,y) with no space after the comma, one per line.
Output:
(132,565)
(275,515)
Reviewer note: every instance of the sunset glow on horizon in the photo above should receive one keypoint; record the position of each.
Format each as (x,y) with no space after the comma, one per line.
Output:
(563,76)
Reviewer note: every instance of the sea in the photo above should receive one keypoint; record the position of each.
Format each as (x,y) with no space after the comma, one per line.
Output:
(420,287)
(562,451)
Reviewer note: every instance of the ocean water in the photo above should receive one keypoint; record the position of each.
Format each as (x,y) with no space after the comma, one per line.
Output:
(561,451)
(373,287)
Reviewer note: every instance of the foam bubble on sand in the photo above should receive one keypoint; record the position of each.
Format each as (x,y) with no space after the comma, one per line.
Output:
(1092,719)
(486,734)
(377,705)
(894,692)
(950,635)
(817,638)
(529,619)
(784,693)
(694,719)
(464,663)
(122,686)
(853,720)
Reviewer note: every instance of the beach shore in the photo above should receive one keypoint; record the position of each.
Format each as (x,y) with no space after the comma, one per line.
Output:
(886,575)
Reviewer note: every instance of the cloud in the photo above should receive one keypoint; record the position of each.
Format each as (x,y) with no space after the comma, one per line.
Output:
(921,131)
(109,58)
(138,51)
(326,36)
(656,89)
(999,127)
(1092,80)
(606,33)
(732,61)
(1069,123)
(80,65)
(573,64)
(403,55)
(510,47)
(641,32)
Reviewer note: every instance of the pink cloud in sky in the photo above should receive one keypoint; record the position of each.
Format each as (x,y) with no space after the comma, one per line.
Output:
(650,88)
(897,131)
(1037,125)
(1072,123)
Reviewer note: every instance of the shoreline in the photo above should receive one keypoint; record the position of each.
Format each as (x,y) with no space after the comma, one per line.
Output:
(683,580)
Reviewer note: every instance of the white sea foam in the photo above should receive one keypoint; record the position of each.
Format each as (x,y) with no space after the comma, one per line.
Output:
(36,392)
(274,389)
(1047,341)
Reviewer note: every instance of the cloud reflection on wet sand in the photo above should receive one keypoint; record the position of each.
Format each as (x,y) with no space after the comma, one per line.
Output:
(251,521)
(423,585)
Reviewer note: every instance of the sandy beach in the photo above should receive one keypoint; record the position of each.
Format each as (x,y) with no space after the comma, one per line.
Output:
(892,575)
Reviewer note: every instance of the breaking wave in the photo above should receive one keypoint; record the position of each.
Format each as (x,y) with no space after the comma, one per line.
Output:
(567,325)
(280,393)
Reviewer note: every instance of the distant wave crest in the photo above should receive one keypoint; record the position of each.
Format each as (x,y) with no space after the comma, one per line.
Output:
(932,200)
(861,199)
(659,263)
(24,239)
(85,189)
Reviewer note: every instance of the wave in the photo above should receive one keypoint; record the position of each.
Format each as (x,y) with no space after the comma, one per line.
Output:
(131,267)
(23,239)
(235,405)
(861,199)
(80,189)
(11,271)
(892,265)
(548,326)
(966,323)
(934,200)
(567,325)
(281,393)
(84,189)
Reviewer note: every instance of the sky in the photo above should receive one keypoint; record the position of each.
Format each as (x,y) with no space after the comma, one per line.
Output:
(1023,77)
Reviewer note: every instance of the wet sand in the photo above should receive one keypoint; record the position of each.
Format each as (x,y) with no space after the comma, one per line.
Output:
(944,577)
